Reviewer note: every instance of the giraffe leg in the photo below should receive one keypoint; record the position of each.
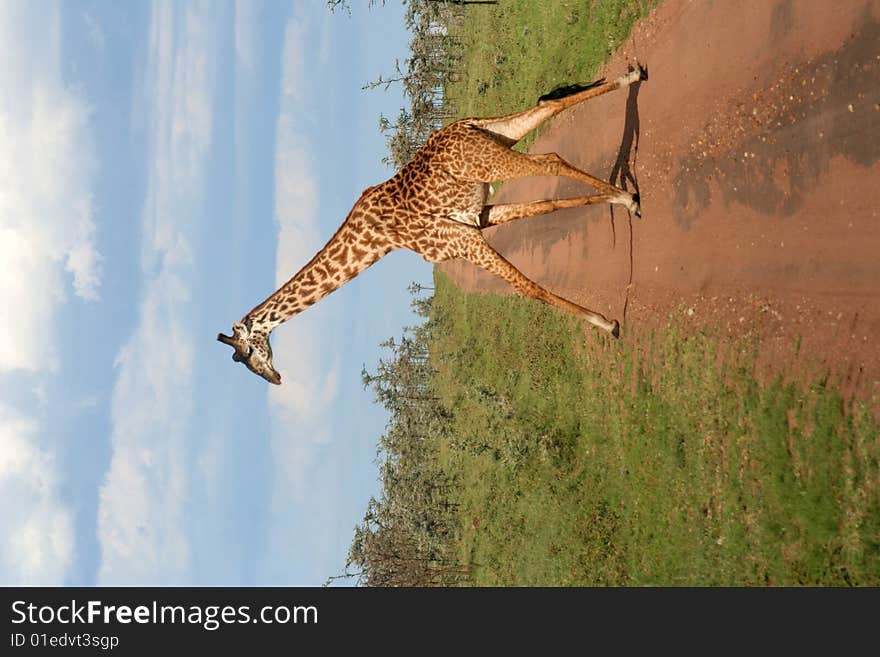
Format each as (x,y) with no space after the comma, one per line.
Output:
(513,127)
(493,215)
(493,161)
(481,254)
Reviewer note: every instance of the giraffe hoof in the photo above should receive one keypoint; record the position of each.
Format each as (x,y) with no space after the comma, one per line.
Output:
(643,72)
(637,205)
(615,329)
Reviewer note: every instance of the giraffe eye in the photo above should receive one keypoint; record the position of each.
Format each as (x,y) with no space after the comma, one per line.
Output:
(238,358)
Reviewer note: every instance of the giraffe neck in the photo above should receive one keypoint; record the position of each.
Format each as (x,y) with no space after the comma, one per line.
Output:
(349,252)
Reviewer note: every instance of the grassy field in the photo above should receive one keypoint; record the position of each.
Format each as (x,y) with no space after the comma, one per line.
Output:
(645,461)
(517,50)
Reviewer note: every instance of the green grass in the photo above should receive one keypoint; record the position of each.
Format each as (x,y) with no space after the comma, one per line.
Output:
(644,461)
(517,50)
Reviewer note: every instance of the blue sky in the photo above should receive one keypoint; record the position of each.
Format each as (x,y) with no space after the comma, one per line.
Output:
(163,166)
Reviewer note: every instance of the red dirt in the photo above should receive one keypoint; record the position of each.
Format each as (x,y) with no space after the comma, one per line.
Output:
(755,147)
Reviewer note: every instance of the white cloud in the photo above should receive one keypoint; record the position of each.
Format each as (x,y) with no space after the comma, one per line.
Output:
(36,546)
(141,521)
(143,525)
(300,406)
(47,169)
(247,34)
(325,43)
(297,346)
(47,249)
(94,32)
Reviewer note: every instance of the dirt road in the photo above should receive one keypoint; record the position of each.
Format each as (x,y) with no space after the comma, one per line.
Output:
(755,147)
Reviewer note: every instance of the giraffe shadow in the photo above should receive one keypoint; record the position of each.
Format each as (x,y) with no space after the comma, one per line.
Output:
(624,175)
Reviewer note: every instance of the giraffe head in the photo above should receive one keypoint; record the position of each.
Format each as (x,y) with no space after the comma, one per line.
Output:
(251,347)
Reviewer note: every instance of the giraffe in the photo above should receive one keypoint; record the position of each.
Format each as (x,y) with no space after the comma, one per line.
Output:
(436,206)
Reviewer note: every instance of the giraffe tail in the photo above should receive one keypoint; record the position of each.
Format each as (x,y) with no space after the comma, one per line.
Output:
(564,91)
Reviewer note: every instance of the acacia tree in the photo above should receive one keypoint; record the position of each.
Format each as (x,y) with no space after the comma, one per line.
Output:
(343,5)
(434,59)
(407,535)
(407,531)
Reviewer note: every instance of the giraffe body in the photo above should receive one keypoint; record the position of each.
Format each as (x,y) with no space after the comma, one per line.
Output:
(436,206)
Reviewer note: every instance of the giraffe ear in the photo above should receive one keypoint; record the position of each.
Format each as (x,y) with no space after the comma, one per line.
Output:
(226,339)
(236,356)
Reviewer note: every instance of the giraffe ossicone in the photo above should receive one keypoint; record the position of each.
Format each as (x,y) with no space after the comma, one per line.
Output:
(436,206)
